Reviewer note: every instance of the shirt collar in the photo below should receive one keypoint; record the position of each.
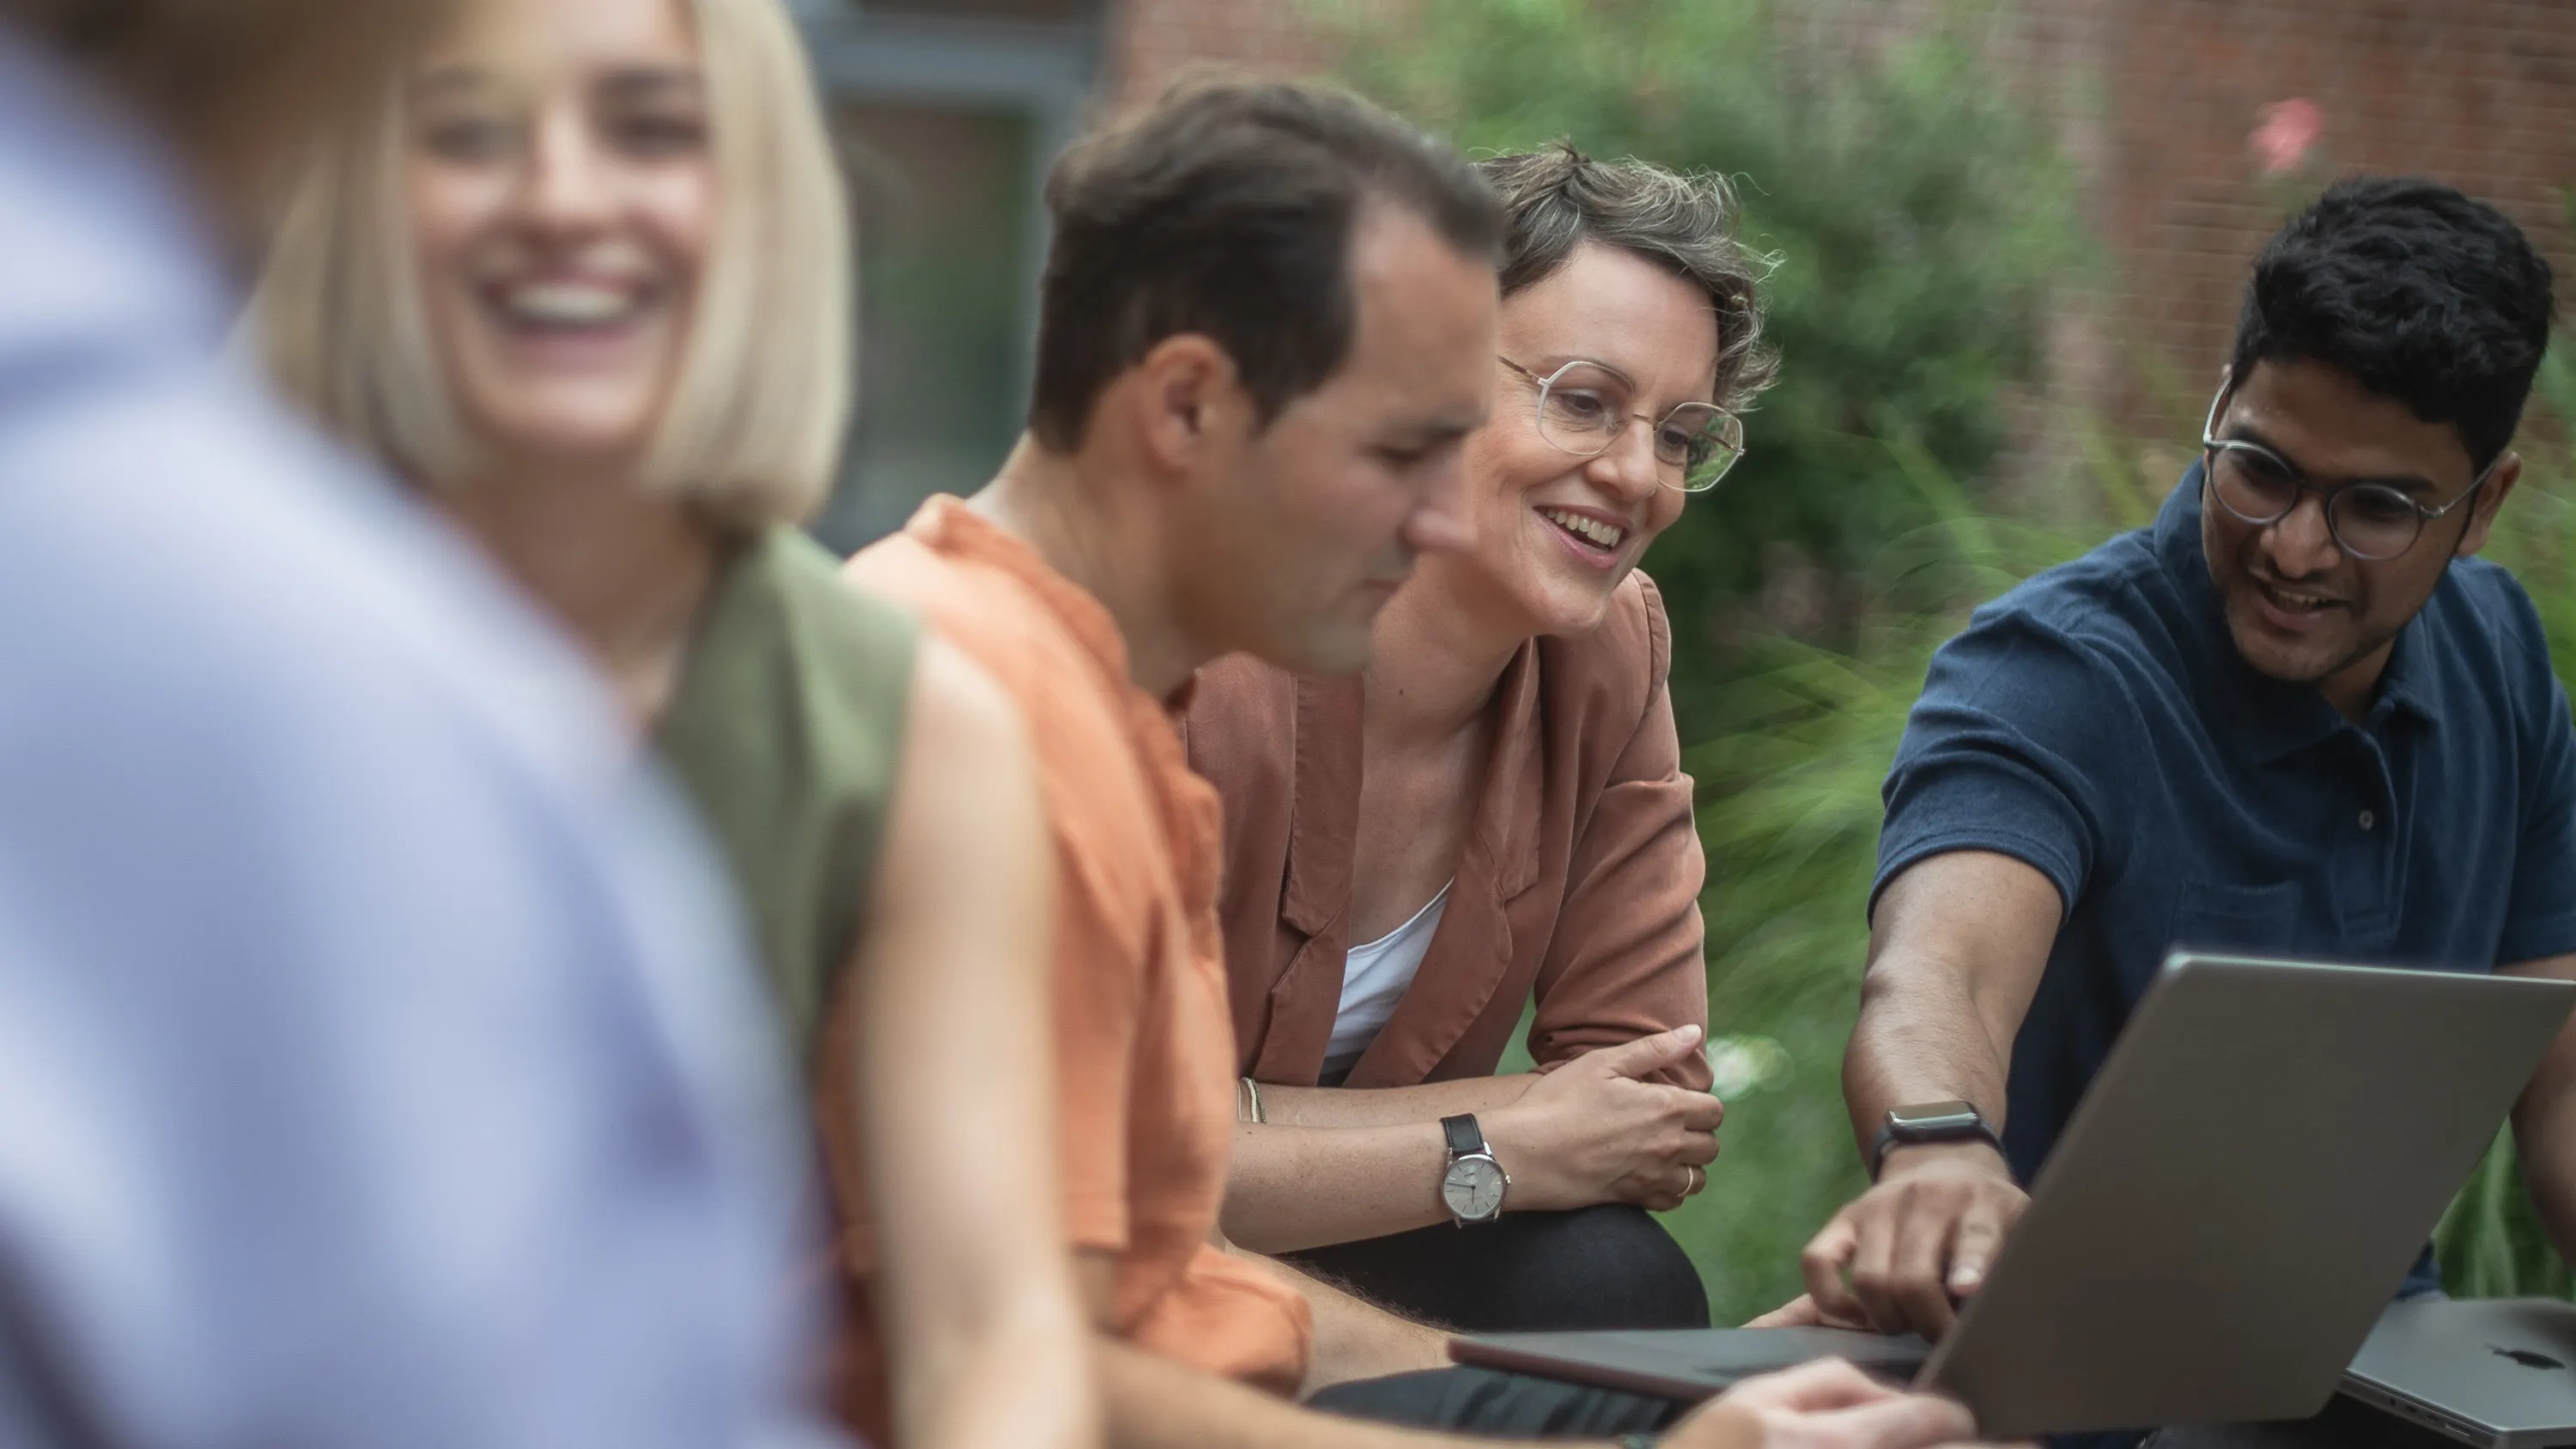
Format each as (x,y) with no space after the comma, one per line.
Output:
(2274,718)
(947,525)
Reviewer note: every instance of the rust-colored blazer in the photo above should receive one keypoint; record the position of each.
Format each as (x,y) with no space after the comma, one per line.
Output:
(1579,880)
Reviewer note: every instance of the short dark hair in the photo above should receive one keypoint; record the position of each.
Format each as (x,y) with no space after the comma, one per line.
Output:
(1227,209)
(1556,198)
(2416,291)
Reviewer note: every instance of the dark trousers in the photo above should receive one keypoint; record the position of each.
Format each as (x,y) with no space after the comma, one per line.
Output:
(1609,1266)
(1497,1405)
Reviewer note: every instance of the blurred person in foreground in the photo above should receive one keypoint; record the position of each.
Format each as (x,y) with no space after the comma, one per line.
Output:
(375,1063)
(1494,811)
(1266,329)
(2294,717)
(585,285)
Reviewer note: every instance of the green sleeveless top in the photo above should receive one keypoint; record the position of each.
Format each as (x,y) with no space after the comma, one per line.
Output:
(785,729)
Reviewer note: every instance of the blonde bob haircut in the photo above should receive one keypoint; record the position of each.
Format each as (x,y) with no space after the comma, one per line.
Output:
(755,416)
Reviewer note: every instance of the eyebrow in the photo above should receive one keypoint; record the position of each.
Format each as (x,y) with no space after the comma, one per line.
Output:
(651,82)
(1429,432)
(2409,483)
(455,76)
(1554,361)
(627,83)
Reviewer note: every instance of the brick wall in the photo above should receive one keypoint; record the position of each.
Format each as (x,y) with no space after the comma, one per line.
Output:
(1152,40)
(2154,101)
(2479,93)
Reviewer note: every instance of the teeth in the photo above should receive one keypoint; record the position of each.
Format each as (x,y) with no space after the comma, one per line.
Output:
(1605,534)
(568,303)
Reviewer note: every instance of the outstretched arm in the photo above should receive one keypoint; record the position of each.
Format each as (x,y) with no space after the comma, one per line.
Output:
(1957,946)
(953,1076)
(2544,1122)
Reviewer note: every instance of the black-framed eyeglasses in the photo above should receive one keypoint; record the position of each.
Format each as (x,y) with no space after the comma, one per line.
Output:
(1583,406)
(2370,521)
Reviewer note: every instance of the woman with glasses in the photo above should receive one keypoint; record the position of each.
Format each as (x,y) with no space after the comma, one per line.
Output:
(1494,816)
(585,285)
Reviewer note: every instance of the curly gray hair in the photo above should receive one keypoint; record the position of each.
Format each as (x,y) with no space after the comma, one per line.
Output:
(1557,198)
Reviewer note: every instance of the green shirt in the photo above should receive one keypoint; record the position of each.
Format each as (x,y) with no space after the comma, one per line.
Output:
(785,729)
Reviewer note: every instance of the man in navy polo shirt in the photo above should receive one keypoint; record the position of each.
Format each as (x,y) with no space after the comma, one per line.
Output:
(2295,716)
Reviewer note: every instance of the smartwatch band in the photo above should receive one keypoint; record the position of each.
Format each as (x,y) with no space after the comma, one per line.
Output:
(1887,1141)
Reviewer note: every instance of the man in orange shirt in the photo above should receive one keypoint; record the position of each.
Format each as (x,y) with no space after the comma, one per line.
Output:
(1267,324)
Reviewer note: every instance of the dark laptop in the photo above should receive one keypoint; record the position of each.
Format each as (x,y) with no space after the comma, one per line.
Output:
(2227,1213)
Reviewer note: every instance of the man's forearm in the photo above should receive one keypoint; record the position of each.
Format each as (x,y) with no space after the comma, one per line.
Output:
(1389,1106)
(2544,1120)
(1354,1338)
(2544,1134)
(1920,1040)
(1155,1403)
(1958,943)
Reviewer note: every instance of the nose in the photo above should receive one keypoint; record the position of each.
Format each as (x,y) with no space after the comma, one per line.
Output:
(2299,543)
(565,186)
(1440,522)
(1627,469)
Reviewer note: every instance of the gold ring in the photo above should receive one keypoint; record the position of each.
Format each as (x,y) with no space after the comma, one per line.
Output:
(1699,1179)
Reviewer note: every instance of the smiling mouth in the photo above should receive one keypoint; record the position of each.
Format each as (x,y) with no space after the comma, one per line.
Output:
(1590,530)
(568,306)
(2293,601)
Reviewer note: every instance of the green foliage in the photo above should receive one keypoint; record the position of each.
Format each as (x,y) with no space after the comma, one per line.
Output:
(1918,216)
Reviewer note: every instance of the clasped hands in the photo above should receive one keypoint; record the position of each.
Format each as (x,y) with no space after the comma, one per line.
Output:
(1594,1130)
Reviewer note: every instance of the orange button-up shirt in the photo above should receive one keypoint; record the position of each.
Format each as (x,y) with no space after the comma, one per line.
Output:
(1578,885)
(1145,1051)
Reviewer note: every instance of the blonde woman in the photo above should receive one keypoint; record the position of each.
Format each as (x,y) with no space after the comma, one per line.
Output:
(586,287)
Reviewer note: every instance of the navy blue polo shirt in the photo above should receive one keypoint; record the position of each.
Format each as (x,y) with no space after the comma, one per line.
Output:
(2098,723)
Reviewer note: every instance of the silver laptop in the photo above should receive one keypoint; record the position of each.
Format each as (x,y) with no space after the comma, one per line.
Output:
(2232,1204)
(2497,1372)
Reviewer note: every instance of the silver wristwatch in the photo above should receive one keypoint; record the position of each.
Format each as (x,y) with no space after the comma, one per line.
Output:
(1473,1187)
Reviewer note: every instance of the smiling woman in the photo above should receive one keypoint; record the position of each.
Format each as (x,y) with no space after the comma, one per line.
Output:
(1496,813)
(584,285)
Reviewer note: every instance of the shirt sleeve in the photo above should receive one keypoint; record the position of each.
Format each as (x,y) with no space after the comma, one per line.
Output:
(2018,746)
(1628,955)
(1099,992)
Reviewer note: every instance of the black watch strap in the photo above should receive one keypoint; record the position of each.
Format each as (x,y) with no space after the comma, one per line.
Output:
(1466,1139)
(1887,1140)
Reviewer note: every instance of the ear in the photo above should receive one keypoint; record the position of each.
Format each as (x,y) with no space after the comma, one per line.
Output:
(2482,511)
(1189,404)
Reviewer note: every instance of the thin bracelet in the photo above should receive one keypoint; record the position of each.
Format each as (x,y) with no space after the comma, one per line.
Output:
(1253,1089)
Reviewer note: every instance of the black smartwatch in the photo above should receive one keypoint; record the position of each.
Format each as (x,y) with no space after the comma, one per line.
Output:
(1930,1122)
(1472,1188)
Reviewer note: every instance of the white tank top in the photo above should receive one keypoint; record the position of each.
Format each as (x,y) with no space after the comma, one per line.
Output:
(1374,978)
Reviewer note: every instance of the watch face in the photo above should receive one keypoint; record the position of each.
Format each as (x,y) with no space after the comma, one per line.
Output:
(1933,1117)
(1474,1188)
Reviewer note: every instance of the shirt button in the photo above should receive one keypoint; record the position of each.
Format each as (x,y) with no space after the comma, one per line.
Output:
(2368,820)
